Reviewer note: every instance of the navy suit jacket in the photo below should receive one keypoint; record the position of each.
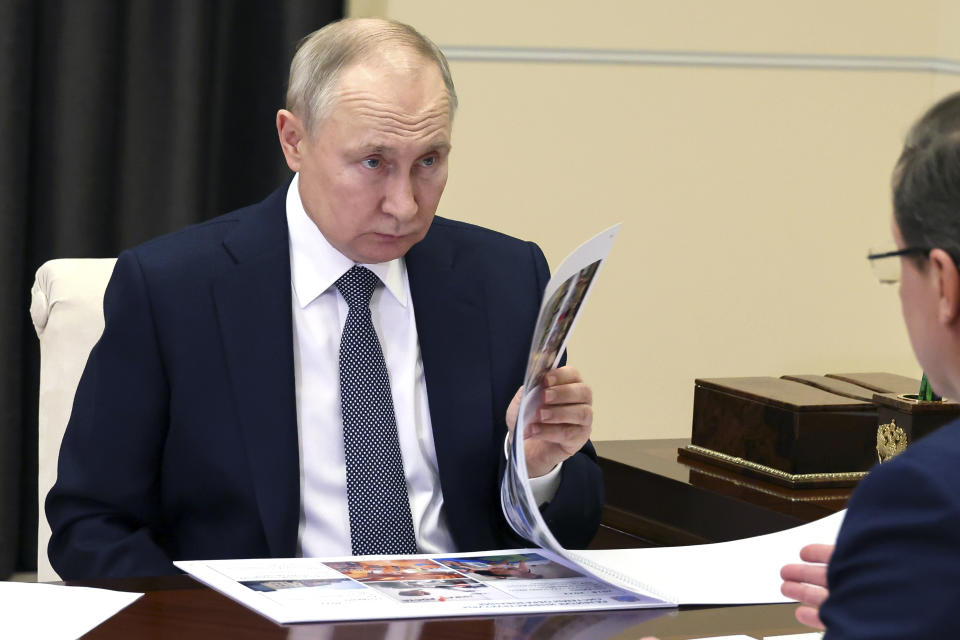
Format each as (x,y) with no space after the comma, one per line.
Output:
(183,440)
(895,572)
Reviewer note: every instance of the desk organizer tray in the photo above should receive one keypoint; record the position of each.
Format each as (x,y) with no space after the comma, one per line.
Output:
(796,431)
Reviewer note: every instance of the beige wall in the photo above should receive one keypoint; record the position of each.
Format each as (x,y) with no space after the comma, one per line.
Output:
(749,195)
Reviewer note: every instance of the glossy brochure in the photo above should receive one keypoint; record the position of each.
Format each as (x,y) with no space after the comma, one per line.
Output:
(414,586)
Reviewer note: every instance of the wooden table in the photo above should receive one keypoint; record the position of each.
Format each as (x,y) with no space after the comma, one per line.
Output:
(654,498)
(182,609)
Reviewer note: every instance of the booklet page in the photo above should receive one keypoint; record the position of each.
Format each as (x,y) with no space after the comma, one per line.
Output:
(743,571)
(563,300)
(380,587)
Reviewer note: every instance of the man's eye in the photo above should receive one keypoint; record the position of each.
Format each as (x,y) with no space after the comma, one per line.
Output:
(429,161)
(370,163)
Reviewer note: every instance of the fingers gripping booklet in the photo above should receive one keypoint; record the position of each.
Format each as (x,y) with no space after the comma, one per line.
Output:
(528,581)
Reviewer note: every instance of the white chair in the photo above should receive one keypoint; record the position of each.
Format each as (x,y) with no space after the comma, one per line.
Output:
(67,312)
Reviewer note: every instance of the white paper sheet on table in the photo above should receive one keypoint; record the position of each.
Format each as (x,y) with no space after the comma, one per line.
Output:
(55,612)
(793,636)
(738,572)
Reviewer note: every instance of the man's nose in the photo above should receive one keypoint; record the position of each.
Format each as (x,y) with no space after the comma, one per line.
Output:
(399,200)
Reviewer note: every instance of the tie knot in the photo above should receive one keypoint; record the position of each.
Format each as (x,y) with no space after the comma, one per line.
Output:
(357,285)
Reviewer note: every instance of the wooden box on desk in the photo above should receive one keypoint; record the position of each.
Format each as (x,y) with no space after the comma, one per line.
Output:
(900,418)
(903,420)
(785,431)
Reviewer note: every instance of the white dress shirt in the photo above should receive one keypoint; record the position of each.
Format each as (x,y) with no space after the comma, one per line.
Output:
(319,315)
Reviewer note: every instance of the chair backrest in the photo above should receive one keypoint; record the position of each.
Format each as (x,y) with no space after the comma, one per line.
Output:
(67,311)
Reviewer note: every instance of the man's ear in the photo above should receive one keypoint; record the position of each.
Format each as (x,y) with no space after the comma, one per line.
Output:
(291,133)
(945,270)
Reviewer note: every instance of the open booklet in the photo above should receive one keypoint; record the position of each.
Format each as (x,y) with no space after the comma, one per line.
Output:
(522,581)
(563,300)
(545,580)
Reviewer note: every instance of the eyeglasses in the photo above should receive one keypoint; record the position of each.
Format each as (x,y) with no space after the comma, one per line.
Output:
(888,271)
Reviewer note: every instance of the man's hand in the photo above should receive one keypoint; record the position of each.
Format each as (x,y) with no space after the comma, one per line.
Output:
(560,425)
(807,583)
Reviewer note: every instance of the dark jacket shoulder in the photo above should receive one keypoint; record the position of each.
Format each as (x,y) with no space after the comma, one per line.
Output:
(902,523)
(207,246)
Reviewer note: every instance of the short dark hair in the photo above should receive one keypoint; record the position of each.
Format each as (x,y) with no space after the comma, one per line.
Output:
(926,180)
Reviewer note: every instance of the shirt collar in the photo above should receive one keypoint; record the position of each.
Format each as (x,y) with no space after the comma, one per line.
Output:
(315,265)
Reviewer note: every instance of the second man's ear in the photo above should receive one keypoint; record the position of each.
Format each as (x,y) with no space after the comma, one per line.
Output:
(948,276)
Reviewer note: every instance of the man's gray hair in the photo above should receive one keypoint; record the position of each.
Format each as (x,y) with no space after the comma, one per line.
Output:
(324,54)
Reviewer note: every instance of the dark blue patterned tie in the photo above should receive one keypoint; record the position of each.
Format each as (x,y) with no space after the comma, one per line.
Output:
(380,521)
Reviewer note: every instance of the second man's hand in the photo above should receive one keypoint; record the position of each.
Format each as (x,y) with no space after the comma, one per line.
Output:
(562,423)
(807,583)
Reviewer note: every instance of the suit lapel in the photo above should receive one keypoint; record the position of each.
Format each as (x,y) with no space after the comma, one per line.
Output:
(254,310)
(450,310)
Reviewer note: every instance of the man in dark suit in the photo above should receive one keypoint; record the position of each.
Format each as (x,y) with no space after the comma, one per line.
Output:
(895,571)
(208,422)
